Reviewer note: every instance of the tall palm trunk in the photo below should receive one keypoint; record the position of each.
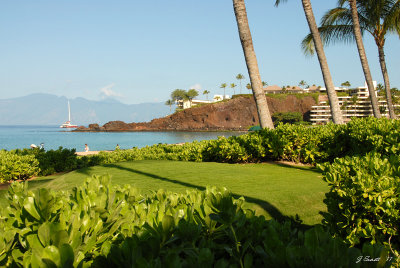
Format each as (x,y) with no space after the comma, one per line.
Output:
(252,66)
(389,101)
(337,117)
(363,57)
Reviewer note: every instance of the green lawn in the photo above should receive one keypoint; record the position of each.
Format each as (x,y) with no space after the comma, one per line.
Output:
(274,190)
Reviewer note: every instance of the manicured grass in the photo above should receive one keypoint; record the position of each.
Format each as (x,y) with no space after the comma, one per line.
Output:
(274,190)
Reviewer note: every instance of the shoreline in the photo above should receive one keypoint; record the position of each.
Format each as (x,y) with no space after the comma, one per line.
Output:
(163,130)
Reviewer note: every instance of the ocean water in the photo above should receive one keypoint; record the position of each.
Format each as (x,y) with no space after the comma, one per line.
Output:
(13,137)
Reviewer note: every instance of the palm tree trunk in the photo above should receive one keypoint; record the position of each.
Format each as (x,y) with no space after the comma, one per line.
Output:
(337,117)
(252,66)
(389,101)
(363,58)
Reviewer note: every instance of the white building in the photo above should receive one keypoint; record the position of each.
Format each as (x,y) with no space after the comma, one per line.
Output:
(188,104)
(356,103)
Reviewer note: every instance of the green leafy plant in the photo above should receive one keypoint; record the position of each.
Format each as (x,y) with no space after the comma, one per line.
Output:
(17,167)
(101,225)
(363,201)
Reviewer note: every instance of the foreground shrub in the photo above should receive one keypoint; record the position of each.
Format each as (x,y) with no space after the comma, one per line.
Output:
(101,225)
(52,161)
(361,136)
(364,199)
(17,167)
(59,160)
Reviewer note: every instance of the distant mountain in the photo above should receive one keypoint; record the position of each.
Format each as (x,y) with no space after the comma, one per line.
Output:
(47,109)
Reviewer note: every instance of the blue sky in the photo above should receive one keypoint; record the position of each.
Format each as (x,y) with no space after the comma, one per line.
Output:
(140,51)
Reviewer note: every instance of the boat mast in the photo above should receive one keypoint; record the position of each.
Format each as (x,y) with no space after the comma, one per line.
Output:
(69,112)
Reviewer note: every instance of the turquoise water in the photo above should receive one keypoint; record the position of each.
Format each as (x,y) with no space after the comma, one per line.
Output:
(13,137)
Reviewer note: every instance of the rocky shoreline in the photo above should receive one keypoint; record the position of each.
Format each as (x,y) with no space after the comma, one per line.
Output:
(237,114)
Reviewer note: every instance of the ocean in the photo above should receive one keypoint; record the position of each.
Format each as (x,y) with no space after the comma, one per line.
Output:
(13,137)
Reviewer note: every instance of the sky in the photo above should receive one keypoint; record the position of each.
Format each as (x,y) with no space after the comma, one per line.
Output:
(140,51)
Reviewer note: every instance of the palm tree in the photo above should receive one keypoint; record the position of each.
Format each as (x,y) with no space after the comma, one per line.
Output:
(380,89)
(224,85)
(252,66)
(206,92)
(302,84)
(169,103)
(346,84)
(363,57)
(191,94)
(233,87)
(377,17)
(178,95)
(240,77)
(337,117)
(248,86)
(264,83)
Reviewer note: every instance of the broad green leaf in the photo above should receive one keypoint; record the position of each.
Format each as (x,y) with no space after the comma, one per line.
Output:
(34,242)
(44,234)
(66,255)
(52,253)
(168,223)
(30,207)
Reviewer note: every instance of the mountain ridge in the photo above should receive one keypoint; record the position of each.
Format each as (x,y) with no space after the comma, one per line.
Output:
(49,109)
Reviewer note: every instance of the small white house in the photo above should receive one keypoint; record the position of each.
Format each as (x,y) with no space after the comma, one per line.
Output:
(188,104)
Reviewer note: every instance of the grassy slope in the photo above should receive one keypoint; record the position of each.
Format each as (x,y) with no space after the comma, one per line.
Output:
(273,189)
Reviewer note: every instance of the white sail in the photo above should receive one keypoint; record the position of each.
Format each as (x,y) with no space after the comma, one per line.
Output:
(68,123)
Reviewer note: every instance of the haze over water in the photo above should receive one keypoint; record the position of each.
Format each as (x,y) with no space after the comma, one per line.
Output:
(13,137)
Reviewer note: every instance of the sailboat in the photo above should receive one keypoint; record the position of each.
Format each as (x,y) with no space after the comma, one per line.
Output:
(68,123)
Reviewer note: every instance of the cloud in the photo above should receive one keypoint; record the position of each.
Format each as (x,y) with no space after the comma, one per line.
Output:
(107,91)
(196,86)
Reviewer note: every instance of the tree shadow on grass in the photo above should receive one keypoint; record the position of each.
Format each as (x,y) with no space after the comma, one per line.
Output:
(38,183)
(85,171)
(296,166)
(32,183)
(273,211)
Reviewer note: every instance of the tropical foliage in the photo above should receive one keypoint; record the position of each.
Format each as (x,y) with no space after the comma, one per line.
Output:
(376,17)
(206,92)
(101,225)
(240,77)
(223,86)
(169,103)
(17,167)
(364,200)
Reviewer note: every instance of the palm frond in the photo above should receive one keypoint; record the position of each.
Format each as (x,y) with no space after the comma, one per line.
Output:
(307,45)
(277,2)
(342,16)
(330,34)
(391,20)
(365,23)
(338,15)
(341,3)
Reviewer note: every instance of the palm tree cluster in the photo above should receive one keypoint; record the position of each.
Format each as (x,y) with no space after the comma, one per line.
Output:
(233,86)
(350,21)
(346,23)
